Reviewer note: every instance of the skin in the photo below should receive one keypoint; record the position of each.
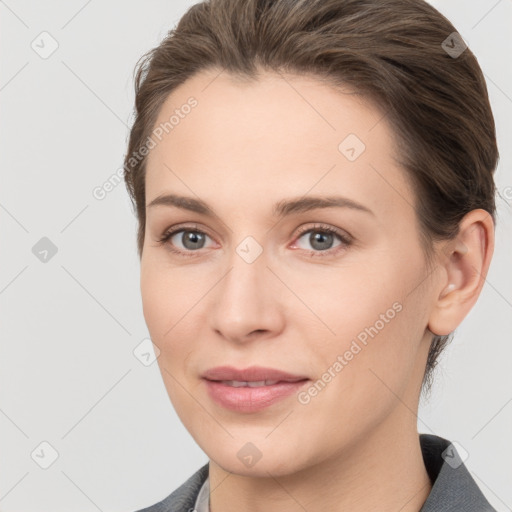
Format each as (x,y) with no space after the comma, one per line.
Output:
(244,147)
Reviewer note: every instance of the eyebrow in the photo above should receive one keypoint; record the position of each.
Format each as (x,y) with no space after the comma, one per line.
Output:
(280,209)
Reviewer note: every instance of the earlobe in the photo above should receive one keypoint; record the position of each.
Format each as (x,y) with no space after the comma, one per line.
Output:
(464,262)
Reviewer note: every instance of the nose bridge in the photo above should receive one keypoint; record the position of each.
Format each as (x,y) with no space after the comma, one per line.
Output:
(248,272)
(244,300)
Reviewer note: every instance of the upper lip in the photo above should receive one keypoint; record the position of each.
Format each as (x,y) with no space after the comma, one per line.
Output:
(251,374)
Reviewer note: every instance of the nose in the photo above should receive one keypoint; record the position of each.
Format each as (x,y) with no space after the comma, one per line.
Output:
(247,301)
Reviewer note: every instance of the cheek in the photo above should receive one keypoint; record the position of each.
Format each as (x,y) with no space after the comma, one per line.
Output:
(351,303)
(153,300)
(164,294)
(373,322)
(170,305)
(164,309)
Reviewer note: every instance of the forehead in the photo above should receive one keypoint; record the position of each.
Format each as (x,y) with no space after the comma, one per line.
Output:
(278,132)
(272,103)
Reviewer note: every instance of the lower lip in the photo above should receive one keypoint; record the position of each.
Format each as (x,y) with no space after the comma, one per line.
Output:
(246,399)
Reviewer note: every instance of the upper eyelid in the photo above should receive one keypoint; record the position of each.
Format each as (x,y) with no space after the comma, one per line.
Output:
(343,235)
(324,227)
(301,230)
(178,228)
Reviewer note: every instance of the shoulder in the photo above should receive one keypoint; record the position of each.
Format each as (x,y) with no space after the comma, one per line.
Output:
(184,497)
(453,487)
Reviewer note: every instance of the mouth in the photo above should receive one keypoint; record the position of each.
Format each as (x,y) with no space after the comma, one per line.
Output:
(249,384)
(255,374)
(252,389)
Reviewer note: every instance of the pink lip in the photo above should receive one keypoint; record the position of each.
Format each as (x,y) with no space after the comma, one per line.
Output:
(250,399)
(253,373)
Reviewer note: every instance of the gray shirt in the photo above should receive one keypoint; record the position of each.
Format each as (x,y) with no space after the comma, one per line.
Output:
(453,487)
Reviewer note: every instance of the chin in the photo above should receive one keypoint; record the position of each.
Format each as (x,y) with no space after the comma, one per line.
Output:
(262,469)
(258,459)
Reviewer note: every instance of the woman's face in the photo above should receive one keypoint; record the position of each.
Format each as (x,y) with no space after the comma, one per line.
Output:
(253,279)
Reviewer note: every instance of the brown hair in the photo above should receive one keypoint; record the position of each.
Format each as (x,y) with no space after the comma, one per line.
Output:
(403,55)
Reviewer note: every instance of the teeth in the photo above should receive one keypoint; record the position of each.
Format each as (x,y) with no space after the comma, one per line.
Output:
(251,384)
(256,383)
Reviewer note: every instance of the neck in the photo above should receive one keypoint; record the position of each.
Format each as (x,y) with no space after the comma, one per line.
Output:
(383,471)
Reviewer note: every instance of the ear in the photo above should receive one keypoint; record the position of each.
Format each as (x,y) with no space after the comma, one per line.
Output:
(464,262)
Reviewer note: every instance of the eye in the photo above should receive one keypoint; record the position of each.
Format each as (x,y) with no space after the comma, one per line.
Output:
(191,239)
(321,238)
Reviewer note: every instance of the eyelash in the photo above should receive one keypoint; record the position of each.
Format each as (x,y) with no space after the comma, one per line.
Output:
(346,240)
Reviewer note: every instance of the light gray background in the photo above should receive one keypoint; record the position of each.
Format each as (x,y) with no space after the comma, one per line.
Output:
(69,326)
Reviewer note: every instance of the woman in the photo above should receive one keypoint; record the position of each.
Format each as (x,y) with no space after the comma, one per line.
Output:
(313,181)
